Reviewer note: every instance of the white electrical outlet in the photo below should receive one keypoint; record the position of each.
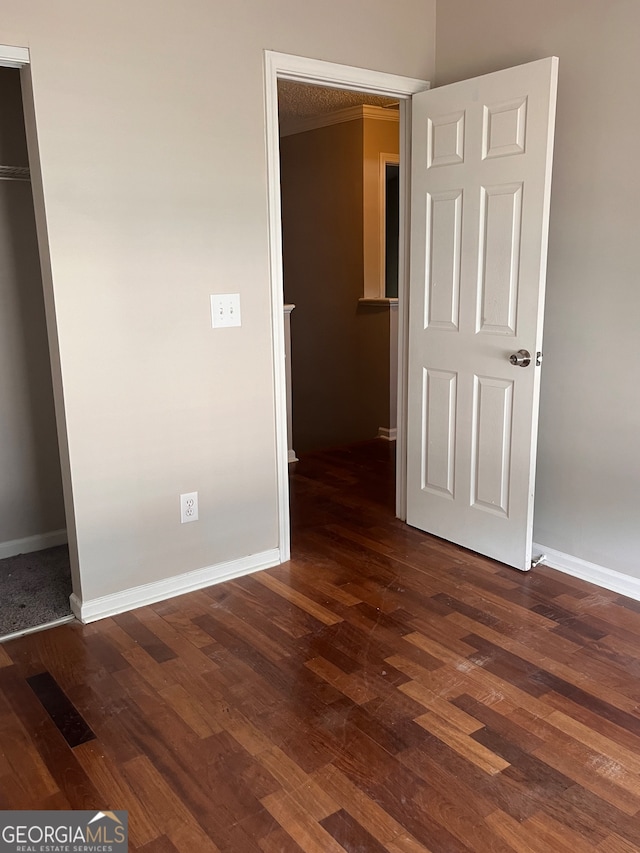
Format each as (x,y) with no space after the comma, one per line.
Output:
(225,310)
(189,507)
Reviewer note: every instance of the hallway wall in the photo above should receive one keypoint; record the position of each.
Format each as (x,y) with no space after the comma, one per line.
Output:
(340,347)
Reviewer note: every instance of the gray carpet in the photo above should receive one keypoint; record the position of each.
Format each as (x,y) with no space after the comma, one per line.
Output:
(34,589)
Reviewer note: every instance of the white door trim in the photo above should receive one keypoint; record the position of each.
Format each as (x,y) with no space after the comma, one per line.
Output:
(317,72)
(12,56)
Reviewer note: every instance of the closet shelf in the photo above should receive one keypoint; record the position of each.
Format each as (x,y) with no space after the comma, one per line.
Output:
(15,173)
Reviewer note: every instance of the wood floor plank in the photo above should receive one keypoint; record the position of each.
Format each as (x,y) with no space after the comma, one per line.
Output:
(461,821)
(352,686)
(320,613)
(350,834)
(559,838)
(173,644)
(190,710)
(443,709)
(603,777)
(465,746)
(73,727)
(596,741)
(20,759)
(299,824)
(159,845)
(171,815)
(279,841)
(511,831)
(615,844)
(365,810)
(116,792)
(407,844)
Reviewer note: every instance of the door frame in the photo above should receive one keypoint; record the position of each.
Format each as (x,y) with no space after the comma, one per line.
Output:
(18,57)
(317,72)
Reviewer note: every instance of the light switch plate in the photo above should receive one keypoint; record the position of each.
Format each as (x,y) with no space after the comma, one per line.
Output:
(225,310)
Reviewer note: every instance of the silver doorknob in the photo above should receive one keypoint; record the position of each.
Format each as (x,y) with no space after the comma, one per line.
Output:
(522,358)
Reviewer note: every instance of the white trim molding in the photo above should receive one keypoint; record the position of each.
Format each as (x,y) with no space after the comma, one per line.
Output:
(389,302)
(150,593)
(388,433)
(291,457)
(33,543)
(302,69)
(592,572)
(402,310)
(13,57)
(291,126)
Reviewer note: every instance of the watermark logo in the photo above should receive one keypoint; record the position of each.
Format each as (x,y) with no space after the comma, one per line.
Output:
(63,832)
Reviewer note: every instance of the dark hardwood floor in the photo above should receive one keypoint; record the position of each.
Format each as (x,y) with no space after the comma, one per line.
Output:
(383,691)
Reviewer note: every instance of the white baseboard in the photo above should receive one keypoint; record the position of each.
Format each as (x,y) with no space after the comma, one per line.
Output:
(33,543)
(599,575)
(389,434)
(292,456)
(138,596)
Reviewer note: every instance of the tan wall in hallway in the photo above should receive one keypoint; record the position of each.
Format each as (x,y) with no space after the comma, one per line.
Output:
(321,180)
(340,348)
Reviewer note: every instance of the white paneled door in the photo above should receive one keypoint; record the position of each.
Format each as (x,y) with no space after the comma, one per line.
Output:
(481,182)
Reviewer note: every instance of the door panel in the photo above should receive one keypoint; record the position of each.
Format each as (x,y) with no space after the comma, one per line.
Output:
(444,232)
(481,177)
(500,219)
(439,414)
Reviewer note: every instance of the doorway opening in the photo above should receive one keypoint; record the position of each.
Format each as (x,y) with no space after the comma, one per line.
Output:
(334,225)
(35,573)
(284,67)
(339,156)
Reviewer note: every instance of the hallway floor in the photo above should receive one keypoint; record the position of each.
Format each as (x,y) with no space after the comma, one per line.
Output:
(382,691)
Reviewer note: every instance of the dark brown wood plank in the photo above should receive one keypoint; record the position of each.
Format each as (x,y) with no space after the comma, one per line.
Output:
(64,714)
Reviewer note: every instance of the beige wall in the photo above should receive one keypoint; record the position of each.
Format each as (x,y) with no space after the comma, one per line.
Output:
(30,484)
(588,487)
(340,349)
(150,121)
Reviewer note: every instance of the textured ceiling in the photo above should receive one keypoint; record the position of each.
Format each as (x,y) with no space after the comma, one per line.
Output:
(298,100)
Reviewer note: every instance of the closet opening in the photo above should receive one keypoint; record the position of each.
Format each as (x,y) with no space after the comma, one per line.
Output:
(35,575)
